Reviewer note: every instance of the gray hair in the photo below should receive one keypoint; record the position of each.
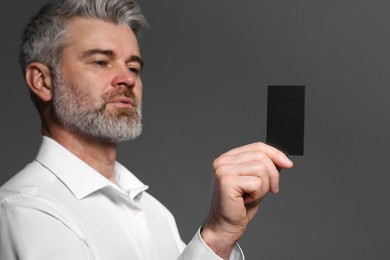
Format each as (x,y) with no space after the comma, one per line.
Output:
(44,38)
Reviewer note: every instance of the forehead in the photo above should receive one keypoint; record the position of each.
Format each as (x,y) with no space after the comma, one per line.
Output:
(88,33)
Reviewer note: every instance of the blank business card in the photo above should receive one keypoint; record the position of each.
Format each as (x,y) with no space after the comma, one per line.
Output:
(286,118)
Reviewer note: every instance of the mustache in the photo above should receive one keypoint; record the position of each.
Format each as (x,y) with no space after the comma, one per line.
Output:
(107,97)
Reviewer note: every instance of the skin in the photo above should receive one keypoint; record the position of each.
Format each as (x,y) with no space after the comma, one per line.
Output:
(99,57)
(242,176)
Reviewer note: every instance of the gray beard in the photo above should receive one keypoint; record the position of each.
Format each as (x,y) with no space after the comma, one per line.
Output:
(76,111)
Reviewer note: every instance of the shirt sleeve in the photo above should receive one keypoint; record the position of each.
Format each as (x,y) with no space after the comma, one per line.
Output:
(198,249)
(29,233)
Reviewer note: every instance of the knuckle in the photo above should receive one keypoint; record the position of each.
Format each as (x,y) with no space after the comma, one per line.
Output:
(257,183)
(261,168)
(221,171)
(259,145)
(225,180)
(218,162)
(260,156)
(215,164)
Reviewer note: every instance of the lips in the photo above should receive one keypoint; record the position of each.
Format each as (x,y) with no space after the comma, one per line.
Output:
(122,102)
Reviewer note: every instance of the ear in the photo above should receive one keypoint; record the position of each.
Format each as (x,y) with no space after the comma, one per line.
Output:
(39,80)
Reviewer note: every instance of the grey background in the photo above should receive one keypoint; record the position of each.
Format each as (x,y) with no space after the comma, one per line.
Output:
(208,64)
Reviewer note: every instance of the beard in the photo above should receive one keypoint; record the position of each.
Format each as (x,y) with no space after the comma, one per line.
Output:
(76,110)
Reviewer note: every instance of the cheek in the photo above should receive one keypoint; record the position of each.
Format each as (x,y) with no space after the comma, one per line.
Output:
(138,90)
(96,85)
(89,88)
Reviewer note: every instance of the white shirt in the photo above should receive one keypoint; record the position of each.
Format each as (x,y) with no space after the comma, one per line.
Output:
(60,208)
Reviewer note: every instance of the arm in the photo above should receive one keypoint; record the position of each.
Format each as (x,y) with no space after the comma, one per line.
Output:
(242,177)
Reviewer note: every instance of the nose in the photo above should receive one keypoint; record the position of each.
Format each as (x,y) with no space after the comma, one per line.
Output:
(124,78)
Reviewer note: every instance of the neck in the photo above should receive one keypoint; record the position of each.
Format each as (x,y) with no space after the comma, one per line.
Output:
(97,153)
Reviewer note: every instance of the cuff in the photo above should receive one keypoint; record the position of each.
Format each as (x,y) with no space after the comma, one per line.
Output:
(198,249)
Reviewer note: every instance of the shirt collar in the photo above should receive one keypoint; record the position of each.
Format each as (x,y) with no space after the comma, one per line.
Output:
(81,179)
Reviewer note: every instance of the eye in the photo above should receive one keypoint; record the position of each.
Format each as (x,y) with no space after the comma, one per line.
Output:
(101,63)
(134,70)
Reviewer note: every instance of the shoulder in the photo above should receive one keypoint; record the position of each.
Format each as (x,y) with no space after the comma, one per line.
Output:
(30,186)
(34,176)
(25,189)
(33,198)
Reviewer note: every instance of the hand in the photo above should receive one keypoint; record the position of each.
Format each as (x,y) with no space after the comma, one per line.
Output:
(242,178)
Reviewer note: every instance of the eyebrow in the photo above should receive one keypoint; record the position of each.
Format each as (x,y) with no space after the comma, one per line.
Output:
(138,59)
(111,54)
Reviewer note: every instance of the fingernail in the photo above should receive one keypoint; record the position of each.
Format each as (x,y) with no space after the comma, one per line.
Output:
(289,162)
(277,189)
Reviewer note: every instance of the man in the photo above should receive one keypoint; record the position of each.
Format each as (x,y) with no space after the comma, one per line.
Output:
(83,66)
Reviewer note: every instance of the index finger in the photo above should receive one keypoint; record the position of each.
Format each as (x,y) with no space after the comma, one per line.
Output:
(277,156)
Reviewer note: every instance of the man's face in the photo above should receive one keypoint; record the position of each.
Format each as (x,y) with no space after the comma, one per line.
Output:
(98,88)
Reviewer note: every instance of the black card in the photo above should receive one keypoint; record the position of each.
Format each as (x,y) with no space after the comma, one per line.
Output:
(286,118)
